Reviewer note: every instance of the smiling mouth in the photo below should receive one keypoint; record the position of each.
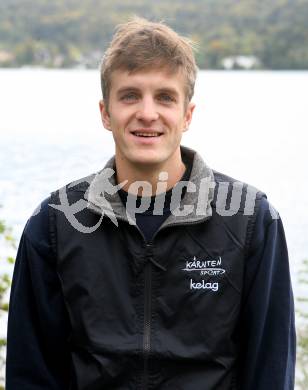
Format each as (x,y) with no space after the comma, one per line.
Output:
(146,135)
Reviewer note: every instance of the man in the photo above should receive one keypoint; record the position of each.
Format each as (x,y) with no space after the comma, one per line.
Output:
(157,272)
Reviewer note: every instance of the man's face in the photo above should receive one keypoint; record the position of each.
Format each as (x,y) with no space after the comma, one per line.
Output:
(146,115)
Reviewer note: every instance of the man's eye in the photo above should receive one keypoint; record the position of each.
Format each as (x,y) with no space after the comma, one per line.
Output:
(129,96)
(166,98)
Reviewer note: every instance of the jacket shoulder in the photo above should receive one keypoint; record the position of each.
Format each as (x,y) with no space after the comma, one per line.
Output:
(76,188)
(235,195)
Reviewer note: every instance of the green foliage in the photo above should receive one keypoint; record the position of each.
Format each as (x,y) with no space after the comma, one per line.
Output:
(302,332)
(68,33)
(5,284)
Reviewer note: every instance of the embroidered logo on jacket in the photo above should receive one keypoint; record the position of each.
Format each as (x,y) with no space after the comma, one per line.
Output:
(205,267)
(210,267)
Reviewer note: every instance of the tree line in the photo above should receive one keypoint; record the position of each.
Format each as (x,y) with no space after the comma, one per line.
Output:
(72,33)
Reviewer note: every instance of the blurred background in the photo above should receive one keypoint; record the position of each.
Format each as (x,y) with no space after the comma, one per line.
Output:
(250,120)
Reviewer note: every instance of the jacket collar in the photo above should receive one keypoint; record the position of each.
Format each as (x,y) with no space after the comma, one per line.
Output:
(194,207)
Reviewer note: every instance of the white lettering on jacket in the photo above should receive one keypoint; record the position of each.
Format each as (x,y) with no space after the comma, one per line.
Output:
(205,267)
(204,285)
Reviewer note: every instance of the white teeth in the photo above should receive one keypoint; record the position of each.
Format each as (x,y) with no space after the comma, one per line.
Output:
(147,134)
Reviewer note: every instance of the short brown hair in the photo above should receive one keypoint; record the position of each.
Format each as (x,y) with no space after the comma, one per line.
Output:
(140,44)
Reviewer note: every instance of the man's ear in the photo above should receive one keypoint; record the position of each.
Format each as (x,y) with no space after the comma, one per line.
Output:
(188,115)
(104,115)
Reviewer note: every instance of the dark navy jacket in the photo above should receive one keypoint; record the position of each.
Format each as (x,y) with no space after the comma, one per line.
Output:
(250,307)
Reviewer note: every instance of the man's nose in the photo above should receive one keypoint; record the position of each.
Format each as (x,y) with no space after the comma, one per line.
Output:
(147,110)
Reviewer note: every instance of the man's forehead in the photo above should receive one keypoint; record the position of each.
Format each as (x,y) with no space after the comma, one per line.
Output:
(152,78)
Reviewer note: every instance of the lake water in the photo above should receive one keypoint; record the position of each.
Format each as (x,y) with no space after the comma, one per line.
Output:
(250,125)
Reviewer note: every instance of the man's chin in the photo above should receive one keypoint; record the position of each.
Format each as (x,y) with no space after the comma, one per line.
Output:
(146,161)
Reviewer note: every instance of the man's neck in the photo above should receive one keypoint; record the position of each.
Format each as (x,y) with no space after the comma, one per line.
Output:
(150,174)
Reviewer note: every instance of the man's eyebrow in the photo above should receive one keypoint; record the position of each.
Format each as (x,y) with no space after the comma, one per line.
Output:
(132,88)
(126,89)
(172,91)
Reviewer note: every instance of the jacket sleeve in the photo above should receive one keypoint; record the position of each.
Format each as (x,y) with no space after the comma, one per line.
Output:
(267,331)
(37,350)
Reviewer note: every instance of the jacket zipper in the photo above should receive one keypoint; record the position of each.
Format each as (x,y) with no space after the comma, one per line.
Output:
(148,304)
(146,347)
(147,321)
